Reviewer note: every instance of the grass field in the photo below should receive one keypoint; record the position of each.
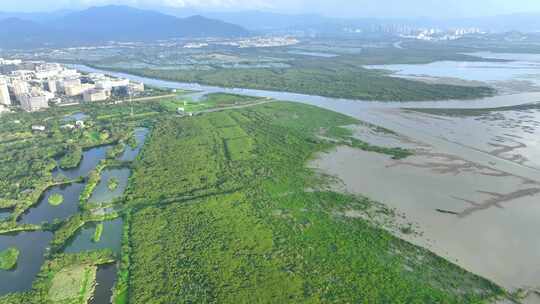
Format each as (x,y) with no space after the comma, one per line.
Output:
(211,101)
(210,227)
(73,285)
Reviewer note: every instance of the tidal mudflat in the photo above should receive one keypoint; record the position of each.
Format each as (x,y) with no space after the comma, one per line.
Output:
(482,218)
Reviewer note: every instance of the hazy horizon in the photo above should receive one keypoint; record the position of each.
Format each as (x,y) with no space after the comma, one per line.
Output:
(337,8)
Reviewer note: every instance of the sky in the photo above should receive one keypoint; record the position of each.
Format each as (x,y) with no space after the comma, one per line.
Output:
(336,8)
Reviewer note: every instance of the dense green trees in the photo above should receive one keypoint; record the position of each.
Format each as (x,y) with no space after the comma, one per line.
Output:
(335,77)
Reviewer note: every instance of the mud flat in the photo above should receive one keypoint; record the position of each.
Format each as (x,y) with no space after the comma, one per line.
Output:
(478,217)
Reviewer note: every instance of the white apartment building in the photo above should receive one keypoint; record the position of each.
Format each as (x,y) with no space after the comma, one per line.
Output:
(50,85)
(95,95)
(33,102)
(19,87)
(5,99)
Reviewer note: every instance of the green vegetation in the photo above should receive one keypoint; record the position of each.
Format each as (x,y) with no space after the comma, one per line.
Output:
(225,211)
(221,208)
(72,158)
(112,184)
(73,284)
(56,199)
(343,76)
(210,101)
(27,159)
(8,258)
(64,278)
(335,80)
(97,233)
(121,290)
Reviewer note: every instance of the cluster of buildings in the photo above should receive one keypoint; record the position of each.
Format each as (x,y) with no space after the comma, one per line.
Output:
(255,42)
(33,85)
(440,35)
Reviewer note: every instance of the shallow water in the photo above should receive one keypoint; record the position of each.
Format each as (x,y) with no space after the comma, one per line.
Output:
(105,280)
(493,232)
(131,153)
(4,214)
(111,238)
(45,212)
(314,54)
(76,116)
(102,194)
(473,71)
(32,247)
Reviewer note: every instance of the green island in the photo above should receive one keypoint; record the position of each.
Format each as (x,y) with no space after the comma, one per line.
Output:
(112,184)
(8,258)
(56,199)
(72,158)
(97,234)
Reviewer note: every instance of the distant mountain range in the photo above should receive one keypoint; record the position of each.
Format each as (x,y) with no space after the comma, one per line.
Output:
(106,23)
(122,23)
(266,21)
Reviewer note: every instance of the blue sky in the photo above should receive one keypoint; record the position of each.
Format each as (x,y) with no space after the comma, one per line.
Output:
(343,8)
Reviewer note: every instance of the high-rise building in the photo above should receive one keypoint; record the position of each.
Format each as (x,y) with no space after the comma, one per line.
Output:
(33,102)
(19,88)
(5,99)
(94,95)
(50,85)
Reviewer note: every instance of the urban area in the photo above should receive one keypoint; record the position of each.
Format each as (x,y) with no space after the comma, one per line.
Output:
(34,85)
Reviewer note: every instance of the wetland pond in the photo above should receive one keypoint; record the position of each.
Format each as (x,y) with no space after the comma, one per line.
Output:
(90,160)
(105,280)
(5,214)
(131,153)
(75,116)
(111,238)
(33,245)
(102,193)
(45,212)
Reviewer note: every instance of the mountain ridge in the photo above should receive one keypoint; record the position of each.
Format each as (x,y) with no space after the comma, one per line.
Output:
(111,23)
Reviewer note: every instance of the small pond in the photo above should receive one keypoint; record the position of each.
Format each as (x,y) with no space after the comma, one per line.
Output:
(90,159)
(45,212)
(102,193)
(5,214)
(131,153)
(111,237)
(32,247)
(105,280)
(75,116)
